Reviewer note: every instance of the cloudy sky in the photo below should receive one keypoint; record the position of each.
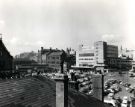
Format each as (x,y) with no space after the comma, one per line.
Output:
(29,24)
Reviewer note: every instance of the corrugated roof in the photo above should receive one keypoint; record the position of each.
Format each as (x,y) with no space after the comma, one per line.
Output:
(39,92)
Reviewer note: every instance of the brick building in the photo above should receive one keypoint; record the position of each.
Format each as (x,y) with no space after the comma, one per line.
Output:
(54,58)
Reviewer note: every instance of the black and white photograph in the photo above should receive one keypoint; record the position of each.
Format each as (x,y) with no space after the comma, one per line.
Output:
(67,53)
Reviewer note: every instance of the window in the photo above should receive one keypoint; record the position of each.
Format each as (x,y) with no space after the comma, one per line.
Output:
(57,62)
(53,62)
(57,57)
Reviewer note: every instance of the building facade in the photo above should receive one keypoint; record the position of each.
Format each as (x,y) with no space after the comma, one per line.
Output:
(112,51)
(85,57)
(100,53)
(54,58)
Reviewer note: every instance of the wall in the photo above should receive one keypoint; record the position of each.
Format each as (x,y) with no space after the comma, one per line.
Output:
(100,52)
(54,61)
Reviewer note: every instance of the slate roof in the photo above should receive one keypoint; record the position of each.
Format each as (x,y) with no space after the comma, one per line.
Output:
(2,46)
(39,92)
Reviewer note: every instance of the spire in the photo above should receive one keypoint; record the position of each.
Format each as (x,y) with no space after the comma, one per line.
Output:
(0,36)
(121,48)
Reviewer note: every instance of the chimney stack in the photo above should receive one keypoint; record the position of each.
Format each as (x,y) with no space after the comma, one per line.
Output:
(42,48)
(50,48)
(61,90)
(0,36)
(98,86)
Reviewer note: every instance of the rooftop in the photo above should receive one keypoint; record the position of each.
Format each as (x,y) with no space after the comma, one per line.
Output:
(4,47)
(39,92)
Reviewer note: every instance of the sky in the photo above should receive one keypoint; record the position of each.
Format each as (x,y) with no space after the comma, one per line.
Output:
(27,25)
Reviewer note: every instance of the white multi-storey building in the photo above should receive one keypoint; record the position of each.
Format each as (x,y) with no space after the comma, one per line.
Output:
(96,56)
(85,56)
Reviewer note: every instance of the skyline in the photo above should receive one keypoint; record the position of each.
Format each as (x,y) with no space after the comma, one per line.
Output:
(29,24)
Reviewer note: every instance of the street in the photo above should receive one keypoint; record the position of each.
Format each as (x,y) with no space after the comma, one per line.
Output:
(124,77)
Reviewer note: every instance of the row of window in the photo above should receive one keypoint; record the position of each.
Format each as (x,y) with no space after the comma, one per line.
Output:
(54,65)
(86,59)
(112,48)
(115,52)
(86,54)
(117,61)
(85,65)
(53,62)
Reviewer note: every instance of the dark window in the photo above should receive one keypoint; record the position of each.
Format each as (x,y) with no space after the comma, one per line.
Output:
(53,57)
(57,57)
(53,62)
(58,62)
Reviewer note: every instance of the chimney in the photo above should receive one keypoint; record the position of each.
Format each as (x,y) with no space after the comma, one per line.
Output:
(98,86)
(42,48)
(50,48)
(61,90)
(41,54)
